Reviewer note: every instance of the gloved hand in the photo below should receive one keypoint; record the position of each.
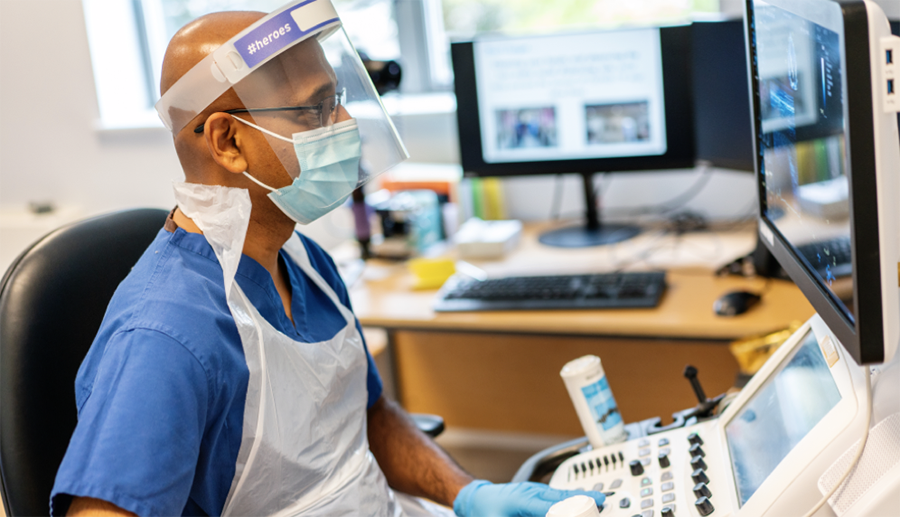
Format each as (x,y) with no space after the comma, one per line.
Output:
(484,499)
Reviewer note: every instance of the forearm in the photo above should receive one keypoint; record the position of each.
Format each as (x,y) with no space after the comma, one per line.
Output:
(90,507)
(411,461)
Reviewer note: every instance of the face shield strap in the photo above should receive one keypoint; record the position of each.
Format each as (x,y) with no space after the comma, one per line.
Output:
(241,55)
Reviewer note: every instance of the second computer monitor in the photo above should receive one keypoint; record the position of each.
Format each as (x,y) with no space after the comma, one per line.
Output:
(588,102)
(580,102)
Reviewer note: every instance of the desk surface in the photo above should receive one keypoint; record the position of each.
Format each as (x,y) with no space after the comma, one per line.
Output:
(384,297)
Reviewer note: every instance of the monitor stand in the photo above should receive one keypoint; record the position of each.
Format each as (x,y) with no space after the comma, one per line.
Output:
(593,233)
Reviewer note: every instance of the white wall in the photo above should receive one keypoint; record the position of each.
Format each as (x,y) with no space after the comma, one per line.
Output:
(50,149)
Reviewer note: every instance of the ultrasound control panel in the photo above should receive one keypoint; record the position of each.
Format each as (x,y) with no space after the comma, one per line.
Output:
(764,455)
(658,475)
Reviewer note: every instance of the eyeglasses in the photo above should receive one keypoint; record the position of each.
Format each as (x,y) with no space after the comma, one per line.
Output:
(310,117)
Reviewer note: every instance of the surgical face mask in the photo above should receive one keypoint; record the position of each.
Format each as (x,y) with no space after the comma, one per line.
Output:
(329,170)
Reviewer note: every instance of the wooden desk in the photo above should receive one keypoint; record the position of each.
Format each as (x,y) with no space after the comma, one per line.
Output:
(500,370)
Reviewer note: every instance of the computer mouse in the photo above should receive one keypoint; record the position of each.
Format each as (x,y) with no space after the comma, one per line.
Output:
(735,302)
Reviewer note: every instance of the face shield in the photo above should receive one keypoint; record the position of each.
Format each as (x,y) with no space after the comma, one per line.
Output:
(301,84)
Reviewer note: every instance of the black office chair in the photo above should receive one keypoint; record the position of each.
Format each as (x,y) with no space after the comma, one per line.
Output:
(52,301)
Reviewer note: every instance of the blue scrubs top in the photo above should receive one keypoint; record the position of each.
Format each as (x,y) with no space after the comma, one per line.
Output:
(160,394)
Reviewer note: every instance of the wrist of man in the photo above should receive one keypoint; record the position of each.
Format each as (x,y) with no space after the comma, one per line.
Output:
(462,505)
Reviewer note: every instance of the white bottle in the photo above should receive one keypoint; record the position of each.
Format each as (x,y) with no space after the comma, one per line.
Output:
(593,400)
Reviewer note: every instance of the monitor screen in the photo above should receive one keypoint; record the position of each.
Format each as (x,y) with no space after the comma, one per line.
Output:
(571,96)
(602,101)
(783,411)
(826,157)
(803,144)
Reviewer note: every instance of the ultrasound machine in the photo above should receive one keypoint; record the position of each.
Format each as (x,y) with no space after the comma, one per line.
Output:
(817,430)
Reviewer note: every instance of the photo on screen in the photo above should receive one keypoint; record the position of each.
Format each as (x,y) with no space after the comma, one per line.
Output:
(617,123)
(526,128)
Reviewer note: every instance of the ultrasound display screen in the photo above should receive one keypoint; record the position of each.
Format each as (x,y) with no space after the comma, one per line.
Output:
(781,413)
(803,142)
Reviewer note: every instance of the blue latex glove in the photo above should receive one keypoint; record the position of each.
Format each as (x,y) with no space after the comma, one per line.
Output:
(484,499)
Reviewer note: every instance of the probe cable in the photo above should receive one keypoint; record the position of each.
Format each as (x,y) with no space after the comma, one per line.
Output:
(859,451)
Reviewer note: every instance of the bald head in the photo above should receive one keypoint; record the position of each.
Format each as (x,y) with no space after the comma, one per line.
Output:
(198,39)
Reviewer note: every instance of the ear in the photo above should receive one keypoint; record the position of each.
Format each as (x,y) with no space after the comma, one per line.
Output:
(225,140)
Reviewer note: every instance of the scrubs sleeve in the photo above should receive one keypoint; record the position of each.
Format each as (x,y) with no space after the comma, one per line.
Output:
(322,261)
(138,436)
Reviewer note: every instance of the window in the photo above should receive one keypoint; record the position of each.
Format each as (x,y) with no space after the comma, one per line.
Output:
(465,18)
(128,38)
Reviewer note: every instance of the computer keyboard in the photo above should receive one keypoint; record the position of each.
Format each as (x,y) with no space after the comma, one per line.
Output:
(837,256)
(593,291)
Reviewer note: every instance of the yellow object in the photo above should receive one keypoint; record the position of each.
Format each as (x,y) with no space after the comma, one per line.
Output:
(752,352)
(431,273)
(492,192)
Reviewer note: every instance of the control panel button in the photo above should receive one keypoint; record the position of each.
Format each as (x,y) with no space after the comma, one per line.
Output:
(668,511)
(694,438)
(666,476)
(663,442)
(646,503)
(695,450)
(698,463)
(668,498)
(646,482)
(666,450)
(645,462)
(625,502)
(643,452)
(598,487)
(704,506)
(645,513)
(636,468)
(667,486)
(615,484)
(621,457)
(663,460)
(643,442)
(701,490)
(699,476)
(647,492)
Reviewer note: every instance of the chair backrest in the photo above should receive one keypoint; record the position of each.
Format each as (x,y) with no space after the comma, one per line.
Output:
(52,300)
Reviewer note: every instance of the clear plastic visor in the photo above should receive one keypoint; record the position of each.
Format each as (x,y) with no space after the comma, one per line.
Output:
(305,100)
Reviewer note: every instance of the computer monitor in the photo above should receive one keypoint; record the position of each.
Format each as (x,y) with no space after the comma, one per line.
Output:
(722,128)
(827,157)
(616,100)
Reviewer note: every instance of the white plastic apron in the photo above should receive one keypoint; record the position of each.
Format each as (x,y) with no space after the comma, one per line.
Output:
(304,448)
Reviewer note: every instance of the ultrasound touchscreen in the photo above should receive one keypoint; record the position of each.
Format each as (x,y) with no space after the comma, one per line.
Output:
(780,414)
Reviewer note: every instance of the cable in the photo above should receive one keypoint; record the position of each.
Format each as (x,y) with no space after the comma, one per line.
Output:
(859,451)
(676,202)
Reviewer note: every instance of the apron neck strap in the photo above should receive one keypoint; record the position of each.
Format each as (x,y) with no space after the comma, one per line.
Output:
(297,251)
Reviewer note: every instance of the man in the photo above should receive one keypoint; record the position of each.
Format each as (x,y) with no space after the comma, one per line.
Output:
(229,375)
